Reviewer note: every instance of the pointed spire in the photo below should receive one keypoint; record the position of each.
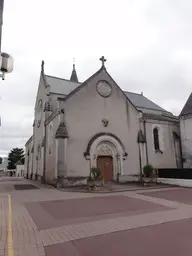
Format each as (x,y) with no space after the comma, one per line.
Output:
(42,66)
(74,77)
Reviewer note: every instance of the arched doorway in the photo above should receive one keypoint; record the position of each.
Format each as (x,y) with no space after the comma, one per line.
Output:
(107,155)
(105,164)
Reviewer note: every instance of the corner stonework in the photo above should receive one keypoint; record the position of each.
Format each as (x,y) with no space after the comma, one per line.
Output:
(61,150)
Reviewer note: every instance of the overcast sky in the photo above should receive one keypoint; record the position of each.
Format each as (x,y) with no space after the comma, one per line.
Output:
(147,43)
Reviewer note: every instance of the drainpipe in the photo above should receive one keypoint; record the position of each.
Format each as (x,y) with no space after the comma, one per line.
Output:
(27,165)
(144,123)
(140,161)
(140,164)
(44,154)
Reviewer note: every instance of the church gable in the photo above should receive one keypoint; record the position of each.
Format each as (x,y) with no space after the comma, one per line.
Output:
(102,84)
(100,104)
(68,87)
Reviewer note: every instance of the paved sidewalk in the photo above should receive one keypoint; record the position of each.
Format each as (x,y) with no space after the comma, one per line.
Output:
(45,221)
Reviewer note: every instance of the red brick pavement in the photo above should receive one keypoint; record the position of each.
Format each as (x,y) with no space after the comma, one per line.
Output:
(182,195)
(168,239)
(50,214)
(109,224)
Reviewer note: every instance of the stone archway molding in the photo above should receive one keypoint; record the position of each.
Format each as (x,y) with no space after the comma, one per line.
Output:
(105,136)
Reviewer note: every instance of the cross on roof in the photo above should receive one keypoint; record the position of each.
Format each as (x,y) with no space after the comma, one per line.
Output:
(103,60)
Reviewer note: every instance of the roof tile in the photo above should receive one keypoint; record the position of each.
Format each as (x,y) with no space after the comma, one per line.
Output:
(187,109)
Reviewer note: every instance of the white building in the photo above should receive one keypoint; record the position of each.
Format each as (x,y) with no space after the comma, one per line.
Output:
(95,123)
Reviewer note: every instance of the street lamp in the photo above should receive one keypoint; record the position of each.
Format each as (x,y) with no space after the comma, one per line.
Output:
(6,64)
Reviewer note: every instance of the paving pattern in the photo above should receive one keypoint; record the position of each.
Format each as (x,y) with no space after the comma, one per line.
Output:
(46,214)
(155,240)
(49,222)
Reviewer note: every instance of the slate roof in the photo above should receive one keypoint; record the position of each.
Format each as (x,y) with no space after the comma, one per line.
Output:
(162,117)
(141,101)
(60,86)
(64,86)
(187,109)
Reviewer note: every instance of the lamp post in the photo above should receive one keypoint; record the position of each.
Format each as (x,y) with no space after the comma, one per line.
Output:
(6,61)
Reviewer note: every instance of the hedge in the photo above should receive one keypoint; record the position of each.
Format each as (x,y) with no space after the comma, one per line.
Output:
(175,173)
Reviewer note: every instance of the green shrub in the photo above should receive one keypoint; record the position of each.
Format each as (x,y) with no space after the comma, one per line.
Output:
(95,174)
(148,170)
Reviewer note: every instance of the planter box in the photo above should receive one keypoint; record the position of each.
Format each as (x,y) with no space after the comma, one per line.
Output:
(95,185)
(147,181)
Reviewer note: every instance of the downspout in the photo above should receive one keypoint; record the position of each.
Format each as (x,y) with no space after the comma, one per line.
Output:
(32,165)
(44,154)
(140,164)
(27,165)
(146,147)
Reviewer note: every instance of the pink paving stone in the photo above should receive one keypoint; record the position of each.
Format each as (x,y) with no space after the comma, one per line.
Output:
(182,195)
(172,239)
(50,214)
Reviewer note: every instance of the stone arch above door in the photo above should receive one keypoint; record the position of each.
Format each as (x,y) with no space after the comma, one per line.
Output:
(104,136)
(106,145)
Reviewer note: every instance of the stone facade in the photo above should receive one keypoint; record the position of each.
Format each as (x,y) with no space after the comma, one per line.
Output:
(76,123)
(186,140)
(186,134)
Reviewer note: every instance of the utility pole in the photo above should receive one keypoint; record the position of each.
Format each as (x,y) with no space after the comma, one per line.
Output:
(1,20)
(6,61)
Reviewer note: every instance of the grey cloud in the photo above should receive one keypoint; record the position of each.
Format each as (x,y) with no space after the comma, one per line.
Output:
(148,45)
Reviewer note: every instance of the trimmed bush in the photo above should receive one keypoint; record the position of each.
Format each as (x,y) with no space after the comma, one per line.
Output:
(148,170)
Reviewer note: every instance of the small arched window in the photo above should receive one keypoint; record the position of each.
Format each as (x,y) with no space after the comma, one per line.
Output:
(156,138)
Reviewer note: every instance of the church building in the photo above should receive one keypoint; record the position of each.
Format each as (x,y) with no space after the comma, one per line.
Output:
(95,123)
(186,134)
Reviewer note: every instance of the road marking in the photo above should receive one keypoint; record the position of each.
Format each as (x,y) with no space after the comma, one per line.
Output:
(10,235)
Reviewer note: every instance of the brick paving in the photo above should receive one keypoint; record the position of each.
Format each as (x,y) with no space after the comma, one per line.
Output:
(182,195)
(49,222)
(46,215)
(155,240)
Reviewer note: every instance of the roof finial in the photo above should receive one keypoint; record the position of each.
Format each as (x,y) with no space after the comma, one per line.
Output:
(103,60)
(42,66)
(74,77)
(73,63)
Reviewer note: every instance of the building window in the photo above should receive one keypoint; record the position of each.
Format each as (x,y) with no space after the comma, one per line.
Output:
(156,139)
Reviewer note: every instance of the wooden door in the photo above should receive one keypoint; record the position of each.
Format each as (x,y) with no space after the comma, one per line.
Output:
(105,164)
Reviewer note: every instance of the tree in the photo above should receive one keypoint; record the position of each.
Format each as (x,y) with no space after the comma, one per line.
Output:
(16,155)
(1,160)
